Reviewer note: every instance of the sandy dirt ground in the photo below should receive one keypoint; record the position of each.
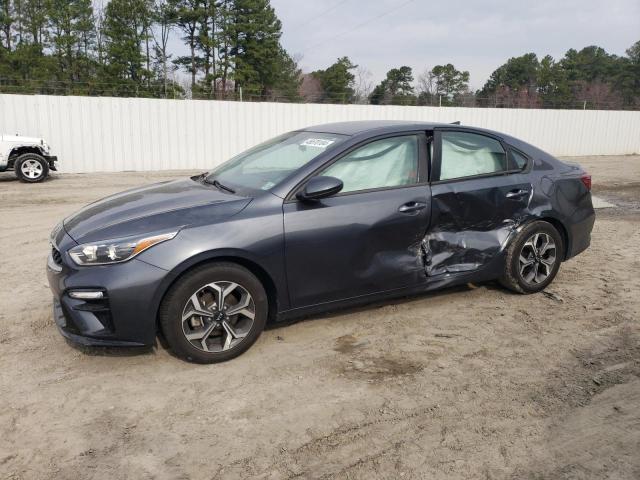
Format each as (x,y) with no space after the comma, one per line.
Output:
(472,382)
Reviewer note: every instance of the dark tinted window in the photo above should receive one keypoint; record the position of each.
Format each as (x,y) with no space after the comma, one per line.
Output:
(519,159)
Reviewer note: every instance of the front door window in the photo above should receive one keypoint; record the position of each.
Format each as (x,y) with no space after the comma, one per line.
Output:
(387,163)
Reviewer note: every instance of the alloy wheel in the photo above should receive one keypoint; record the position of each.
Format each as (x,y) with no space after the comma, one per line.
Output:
(218,316)
(31,169)
(537,258)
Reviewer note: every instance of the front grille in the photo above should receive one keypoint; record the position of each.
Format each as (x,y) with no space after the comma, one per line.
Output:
(55,254)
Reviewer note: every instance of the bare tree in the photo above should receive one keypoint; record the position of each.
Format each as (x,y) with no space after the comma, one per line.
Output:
(98,14)
(311,88)
(427,83)
(165,18)
(363,85)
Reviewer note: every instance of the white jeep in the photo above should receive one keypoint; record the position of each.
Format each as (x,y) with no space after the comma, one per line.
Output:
(29,157)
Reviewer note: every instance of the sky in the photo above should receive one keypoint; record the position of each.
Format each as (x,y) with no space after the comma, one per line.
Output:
(474,35)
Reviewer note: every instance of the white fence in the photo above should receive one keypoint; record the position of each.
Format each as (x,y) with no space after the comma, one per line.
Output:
(114,134)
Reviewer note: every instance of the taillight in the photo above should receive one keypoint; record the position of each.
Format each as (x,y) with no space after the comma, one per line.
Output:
(586,179)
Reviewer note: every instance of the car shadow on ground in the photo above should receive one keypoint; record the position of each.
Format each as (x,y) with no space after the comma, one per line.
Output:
(111,351)
(10,177)
(271,325)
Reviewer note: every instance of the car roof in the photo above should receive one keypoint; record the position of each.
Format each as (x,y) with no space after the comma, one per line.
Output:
(387,126)
(362,126)
(370,128)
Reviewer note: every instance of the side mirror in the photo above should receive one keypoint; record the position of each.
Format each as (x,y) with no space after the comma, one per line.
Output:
(320,187)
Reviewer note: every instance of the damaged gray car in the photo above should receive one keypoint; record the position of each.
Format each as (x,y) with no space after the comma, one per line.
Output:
(316,219)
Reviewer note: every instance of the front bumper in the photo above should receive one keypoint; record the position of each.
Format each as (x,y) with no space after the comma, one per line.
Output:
(52,159)
(126,316)
(82,335)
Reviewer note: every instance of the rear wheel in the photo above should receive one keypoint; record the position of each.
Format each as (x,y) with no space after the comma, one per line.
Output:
(31,168)
(533,258)
(214,313)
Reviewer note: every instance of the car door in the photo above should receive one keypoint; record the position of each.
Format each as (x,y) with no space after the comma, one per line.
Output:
(478,196)
(367,238)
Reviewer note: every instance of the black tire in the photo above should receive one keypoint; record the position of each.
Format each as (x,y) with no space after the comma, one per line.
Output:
(29,159)
(176,299)
(512,277)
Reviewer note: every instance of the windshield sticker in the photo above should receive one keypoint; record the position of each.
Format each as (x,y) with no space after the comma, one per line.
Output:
(316,142)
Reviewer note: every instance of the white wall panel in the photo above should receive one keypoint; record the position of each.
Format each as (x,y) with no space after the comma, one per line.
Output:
(95,134)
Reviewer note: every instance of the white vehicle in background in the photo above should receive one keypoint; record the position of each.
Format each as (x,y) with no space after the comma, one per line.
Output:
(29,157)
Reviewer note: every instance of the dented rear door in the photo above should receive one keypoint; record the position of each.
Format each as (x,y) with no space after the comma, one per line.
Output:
(475,207)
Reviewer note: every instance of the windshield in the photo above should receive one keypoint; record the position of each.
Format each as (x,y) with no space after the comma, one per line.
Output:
(264,166)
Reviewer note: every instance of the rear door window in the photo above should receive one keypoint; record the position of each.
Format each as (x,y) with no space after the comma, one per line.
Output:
(466,154)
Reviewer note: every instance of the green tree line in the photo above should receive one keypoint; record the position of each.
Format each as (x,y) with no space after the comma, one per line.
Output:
(588,78)
(68,47)
(233,49)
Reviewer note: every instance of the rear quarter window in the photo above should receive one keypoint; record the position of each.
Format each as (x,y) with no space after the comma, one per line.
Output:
(519,160)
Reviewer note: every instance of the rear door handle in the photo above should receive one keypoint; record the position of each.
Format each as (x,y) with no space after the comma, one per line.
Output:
(412,207)
(517,193)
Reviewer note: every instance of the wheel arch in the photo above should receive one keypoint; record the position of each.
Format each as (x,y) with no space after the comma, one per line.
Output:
(21,150)
(564,233)
(559,226)
(252,265)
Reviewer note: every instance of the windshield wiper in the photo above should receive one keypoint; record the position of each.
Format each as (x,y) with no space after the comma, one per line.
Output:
(219,185)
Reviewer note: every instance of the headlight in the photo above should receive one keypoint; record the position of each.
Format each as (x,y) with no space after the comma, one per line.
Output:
(115,251)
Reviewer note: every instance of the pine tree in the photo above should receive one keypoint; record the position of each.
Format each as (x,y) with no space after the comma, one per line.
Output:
(188,16)
(227,25)
(165,17)
(27,64)
(256,46)
(125,30)
(289,79)
(6,21)
(32,20)
(71,35)
(395,89)
(443,84)
(337,81)
(207,43)
(627,80)
(552,83)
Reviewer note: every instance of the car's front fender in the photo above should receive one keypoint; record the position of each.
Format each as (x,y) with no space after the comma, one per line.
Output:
(253,238)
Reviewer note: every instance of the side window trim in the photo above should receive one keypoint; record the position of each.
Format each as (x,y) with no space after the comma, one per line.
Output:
(423,169)
(512,161)
(430,153)
(437,157)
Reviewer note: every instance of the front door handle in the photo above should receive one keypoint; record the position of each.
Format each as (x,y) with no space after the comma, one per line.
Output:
(412,207)
(517,193)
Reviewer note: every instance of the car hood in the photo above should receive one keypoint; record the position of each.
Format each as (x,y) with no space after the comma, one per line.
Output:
(151,209)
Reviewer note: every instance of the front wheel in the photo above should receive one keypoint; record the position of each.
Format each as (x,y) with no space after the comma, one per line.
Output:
(31,168)
(533,258)
(214,313)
